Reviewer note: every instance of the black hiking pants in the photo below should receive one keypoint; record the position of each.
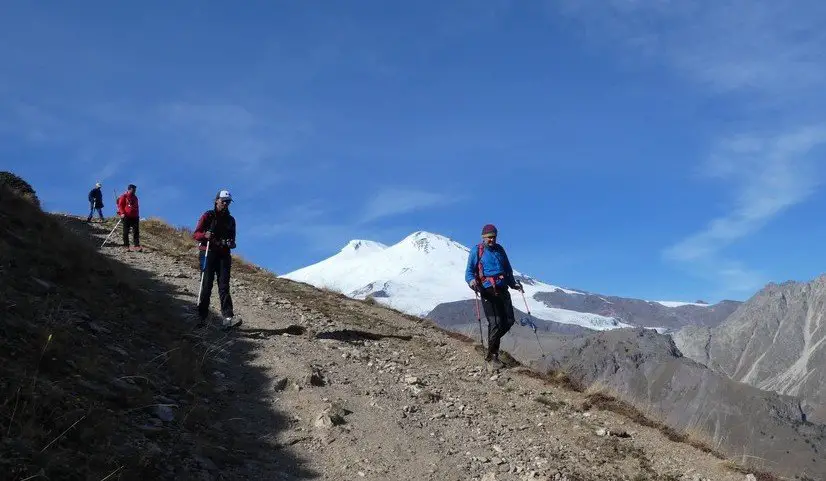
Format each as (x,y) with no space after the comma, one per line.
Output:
(134,224)
(500,316)
(218,264)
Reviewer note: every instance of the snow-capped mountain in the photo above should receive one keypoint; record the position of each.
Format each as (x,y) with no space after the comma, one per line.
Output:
(422,271)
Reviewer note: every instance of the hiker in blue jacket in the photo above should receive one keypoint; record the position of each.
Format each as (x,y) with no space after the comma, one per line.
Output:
(489,272)
(95,202)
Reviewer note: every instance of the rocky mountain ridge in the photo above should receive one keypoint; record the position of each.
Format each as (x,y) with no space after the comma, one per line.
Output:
(775,341)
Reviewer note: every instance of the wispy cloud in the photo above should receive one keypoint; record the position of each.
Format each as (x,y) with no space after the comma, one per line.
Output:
(767,176)
(325,226)
(729,46)
(758,56)
(392,201)
(232,133)
(106,137)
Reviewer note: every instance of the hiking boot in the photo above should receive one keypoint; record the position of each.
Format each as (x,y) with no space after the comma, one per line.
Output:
(230,322)
(495,364)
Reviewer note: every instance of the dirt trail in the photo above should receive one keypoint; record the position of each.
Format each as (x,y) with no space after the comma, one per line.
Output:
(368,393)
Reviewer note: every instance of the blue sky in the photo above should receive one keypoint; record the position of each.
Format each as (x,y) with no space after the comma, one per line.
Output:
(651,149)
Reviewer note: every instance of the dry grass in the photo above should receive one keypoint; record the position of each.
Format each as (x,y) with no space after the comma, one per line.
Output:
(71,401)
(177,242)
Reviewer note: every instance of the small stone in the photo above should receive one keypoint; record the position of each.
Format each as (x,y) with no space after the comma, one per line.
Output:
(751,477)
(279,384)
(46,286)
(118,350)
(163,412)
(125,386)
(315,377)
(333,415)
(205,463)
(602,432)
(98,329)
(153,449)
(412,380)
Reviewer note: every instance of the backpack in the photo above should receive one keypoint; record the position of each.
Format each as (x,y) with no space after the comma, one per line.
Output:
(212,220)
(480,273)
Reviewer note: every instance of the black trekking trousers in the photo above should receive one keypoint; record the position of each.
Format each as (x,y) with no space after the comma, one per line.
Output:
(134,224)
(500,316)
(218,264)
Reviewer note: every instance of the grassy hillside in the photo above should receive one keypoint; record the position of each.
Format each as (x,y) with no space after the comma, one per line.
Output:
(100,372)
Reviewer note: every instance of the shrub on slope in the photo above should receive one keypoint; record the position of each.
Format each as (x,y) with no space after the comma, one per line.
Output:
(19,186)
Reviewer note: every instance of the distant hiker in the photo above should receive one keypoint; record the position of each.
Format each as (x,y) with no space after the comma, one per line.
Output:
(215,233)
(95,202)
(130,214)
(489,272)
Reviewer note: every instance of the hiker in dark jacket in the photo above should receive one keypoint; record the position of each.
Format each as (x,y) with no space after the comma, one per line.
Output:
(95,202)
(216,229)
(489,272)
(129,212)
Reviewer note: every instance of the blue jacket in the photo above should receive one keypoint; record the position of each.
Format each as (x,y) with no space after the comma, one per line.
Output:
(494,263)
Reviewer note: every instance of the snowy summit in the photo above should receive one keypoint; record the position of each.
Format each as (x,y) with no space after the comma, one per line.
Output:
(420,272)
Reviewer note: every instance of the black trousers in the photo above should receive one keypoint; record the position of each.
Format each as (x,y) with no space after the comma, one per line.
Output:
(499,314)
(218,264)
(134,224)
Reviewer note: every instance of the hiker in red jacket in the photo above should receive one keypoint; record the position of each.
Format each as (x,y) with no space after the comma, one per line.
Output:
(215,233)
(130,216)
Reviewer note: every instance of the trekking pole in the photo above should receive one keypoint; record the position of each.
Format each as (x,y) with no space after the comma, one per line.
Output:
(206,260)
(479,319)
(110,234)
(528,321)
(203,269)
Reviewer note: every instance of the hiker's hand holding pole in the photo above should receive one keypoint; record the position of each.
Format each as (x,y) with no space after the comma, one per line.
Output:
(207,235)
(472,284)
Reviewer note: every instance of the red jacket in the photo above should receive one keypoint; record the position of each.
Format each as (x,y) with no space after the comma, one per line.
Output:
(128,205)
